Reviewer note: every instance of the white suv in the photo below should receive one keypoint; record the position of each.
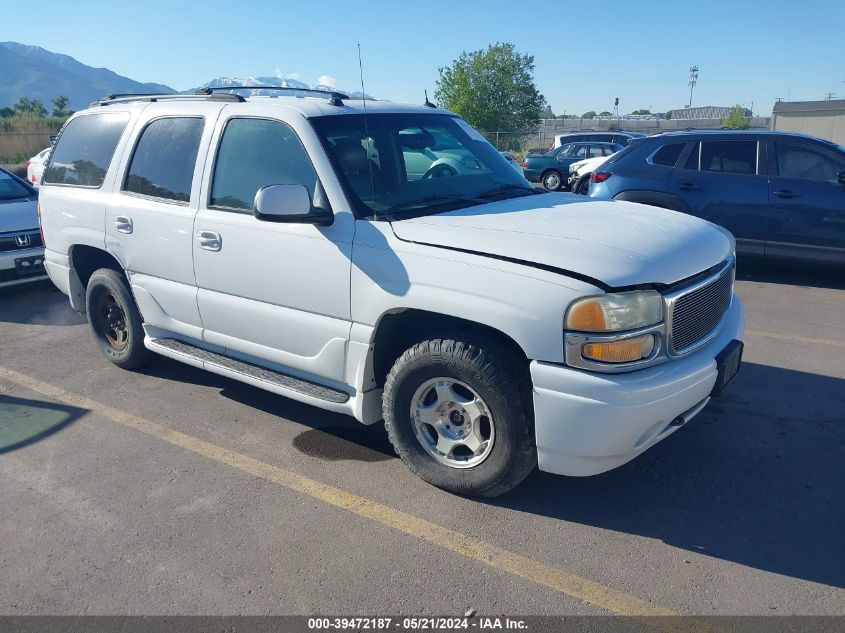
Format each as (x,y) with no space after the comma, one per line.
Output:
(281,241)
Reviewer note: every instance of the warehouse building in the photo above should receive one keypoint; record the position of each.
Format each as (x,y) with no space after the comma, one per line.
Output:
(706,112)
(823,119)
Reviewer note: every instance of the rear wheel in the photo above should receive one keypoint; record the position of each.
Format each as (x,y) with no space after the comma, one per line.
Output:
(552,180)
(115,320)
(457,411)
(583,185)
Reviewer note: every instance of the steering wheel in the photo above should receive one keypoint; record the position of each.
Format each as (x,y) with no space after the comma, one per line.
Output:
(440,171)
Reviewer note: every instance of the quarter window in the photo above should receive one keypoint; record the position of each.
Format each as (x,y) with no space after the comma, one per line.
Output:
(668,155)
(804,163)
(736,157)
(164,159)
(85,148)
(254,153)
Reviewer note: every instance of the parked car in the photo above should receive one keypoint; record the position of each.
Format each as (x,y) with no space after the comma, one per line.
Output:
(552,169)
(581,172)
(21,249)
(35,167)
(618,138)
(508,156)
(492,326)
(780,194)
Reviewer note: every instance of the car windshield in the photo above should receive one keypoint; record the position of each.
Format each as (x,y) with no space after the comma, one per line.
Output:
(409,165)
(12,189)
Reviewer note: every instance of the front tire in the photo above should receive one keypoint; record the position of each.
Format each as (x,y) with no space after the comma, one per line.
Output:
(552,180)
(458,412)
(114,319)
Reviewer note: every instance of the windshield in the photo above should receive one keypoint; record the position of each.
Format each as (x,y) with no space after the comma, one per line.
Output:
(415,164)
(13,189)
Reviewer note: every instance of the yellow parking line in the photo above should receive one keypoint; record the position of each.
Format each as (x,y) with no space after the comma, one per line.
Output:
(796,339)
(475,549)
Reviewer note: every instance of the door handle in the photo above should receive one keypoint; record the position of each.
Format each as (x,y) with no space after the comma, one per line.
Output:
(123,224)
(687,186)
(785,193)
(209,240)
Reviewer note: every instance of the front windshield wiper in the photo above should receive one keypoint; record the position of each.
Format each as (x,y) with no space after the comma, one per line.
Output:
(437,197)
(509,187)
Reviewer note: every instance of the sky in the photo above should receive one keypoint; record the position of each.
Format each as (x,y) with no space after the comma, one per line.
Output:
(585,53)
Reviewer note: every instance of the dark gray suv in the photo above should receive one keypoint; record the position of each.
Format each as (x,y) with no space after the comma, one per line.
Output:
(780,194)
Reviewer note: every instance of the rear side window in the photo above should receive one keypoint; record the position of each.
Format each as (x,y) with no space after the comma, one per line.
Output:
(735,157)
(162,164)
(85,149)
(806,163)
(668,154)
(254,153)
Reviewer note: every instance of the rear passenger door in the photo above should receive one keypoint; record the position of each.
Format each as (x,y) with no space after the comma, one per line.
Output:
(276,293)
(807,203)
(150,217)
(724,181)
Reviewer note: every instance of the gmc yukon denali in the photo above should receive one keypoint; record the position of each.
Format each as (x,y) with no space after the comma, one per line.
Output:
(385,261)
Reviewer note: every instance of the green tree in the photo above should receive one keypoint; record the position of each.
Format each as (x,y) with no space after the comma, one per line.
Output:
(589,115)
(668,114)
(605,113)
(547,113)
(29,107)
(59,106)
(736,120)
(6,113)
(641,111)
(492,89)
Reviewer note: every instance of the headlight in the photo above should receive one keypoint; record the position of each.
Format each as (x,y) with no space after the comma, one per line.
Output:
(615,312)
(573,168)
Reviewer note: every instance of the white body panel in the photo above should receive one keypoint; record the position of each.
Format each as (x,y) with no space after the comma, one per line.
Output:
(308,300)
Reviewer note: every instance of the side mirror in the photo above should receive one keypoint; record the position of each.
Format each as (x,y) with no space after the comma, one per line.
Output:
(840,177)
(288,203)
(53,138)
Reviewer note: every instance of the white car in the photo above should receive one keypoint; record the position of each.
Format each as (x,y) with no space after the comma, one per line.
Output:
(21,250)
(580,172)
(284,243)
(35,166)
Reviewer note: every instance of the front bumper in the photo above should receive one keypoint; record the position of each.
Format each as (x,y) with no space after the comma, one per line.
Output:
(9,275)
(587,423)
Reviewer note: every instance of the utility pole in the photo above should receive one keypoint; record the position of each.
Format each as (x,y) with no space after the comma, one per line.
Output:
(693,79)
(830,96)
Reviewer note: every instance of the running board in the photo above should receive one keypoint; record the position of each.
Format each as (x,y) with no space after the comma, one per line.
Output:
(255,372)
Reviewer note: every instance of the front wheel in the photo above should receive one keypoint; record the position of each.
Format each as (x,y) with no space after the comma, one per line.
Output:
(458,412)
(115,320)
(552,181)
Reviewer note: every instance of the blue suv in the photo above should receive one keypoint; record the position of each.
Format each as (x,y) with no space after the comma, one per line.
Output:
(780,194)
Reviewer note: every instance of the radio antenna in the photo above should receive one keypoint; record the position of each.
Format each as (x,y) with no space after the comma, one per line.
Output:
(369,140)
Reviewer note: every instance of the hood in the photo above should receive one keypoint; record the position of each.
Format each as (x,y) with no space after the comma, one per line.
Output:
(18,216)
(614,243)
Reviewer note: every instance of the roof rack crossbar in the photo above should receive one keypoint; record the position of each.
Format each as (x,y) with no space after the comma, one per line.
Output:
(152,96)
(335,98)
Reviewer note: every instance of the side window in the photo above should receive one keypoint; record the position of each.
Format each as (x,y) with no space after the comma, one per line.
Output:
(163,162)
(568,151)
(84,150)
(580,151)
(735,157)
(254,153)
(602,138)
(668,155)
(596,150)
(575,138)
(805,163)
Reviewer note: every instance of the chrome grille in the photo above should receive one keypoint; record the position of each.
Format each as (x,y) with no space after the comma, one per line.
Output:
(695,313)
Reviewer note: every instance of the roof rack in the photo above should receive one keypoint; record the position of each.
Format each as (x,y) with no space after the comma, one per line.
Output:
(154,96)
(335,98)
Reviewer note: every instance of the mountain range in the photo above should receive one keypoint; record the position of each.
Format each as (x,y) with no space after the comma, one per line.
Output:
(36,73)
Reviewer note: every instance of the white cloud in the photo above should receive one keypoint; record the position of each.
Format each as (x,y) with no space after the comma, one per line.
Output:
(325,80)
(280,75)
(293,76)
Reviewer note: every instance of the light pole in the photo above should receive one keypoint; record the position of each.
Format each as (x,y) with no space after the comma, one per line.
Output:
(693,79)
